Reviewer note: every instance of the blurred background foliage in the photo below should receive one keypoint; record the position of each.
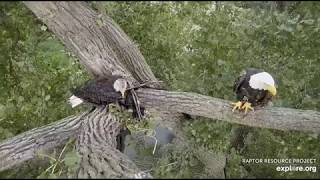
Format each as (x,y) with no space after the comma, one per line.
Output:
(193,46)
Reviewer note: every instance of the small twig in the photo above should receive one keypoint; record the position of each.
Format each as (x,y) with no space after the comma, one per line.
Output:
(142,130)
(137,104)
(135,96)
(60,172)
(64,148)
(152,136)
(143,84)
(58,161)
(44,155)
(54,167)
(60,155)
(49,168)
(155,144)
(146,171)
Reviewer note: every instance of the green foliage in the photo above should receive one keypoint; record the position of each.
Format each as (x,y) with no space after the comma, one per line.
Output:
(63,162)
(133,124)
(276,144)
(192,47)
(234,167)
(62,168)
(179,163)
(214,136)
(36,72)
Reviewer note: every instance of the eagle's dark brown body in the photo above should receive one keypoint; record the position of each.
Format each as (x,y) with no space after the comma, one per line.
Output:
(99,91)
(245,92)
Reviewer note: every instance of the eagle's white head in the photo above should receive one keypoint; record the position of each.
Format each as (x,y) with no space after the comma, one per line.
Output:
(263,80)
(120,85)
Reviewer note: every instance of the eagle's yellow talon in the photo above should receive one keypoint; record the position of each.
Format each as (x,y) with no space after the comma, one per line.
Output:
(247,106)
(237,105)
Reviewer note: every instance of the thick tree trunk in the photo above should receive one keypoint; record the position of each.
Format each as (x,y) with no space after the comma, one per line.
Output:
(27,145)
(102,47)
(97,148)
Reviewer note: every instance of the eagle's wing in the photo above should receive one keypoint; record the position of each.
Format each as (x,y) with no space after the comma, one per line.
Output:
(98,91)
(239,81)
(263,98)
(87,92)
(245,75)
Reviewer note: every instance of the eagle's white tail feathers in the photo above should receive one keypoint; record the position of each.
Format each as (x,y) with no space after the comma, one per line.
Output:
(75,101)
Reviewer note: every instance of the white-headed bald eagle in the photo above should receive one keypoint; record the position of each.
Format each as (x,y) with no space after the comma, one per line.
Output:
(254,87)
(104,91)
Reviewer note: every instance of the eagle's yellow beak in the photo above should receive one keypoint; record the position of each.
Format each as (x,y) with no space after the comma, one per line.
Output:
(272,90)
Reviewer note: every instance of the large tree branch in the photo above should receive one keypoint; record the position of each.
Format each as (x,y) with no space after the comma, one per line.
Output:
(101,45)
(27,145)
(200,105)
(96,145)
(23,147)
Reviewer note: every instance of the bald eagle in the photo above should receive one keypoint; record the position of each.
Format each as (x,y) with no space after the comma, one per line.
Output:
(254,87)
(104,91)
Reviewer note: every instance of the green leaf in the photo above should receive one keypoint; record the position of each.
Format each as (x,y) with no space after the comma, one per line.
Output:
(2,111)
(71,159)
(43,175)
(221,62)
(307,21)
(285,28)
(43,28)
(20,98)
(99,22)
(47,98)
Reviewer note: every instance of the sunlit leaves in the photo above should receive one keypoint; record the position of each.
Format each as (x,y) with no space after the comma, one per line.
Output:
(72,160)
(43,28)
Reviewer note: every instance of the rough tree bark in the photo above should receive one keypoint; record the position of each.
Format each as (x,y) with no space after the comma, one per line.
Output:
(200,105)
(101,45)
(27,145)
(104,49)
(97,147)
